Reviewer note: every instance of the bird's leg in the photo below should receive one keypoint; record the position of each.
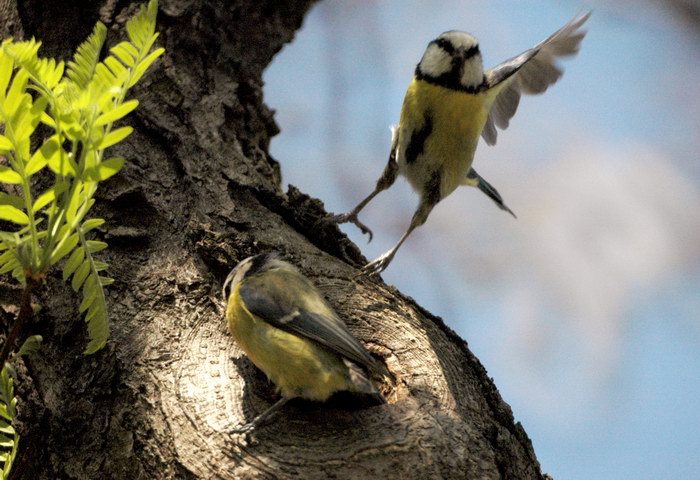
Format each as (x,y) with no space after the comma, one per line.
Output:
(263,417)
(377,266)
(385,181)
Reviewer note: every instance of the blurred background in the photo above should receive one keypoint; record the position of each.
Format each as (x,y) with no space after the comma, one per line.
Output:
(586,309)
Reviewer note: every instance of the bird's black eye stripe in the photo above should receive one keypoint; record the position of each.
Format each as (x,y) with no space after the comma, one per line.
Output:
(471,52)
(259,261)
(446,45)
(449,81)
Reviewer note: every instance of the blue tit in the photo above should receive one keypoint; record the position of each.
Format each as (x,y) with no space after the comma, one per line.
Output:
(450,103)
(287,329)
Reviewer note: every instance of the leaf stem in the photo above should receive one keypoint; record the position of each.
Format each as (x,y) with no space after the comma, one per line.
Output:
(25,312)
(32,224)
(56,217)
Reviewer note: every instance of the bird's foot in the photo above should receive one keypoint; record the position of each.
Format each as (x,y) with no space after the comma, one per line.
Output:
(351,218)
(377,266)
(243,429)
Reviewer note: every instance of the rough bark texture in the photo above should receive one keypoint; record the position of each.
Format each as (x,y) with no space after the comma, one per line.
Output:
(199,193)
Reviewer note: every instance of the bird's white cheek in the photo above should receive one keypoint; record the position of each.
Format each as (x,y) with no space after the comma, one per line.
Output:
(435,61)
(472,72)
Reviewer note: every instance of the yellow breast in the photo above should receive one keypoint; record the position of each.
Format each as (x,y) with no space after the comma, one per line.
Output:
(457,121)
(297,366)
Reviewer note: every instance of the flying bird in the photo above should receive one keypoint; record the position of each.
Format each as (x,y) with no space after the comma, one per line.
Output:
(450,103)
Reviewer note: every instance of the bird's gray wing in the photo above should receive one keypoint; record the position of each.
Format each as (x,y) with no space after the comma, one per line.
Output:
(271,297)
(531,72)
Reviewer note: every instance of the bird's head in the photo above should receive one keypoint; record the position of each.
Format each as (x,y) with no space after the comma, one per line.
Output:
(255,265)
(452,60)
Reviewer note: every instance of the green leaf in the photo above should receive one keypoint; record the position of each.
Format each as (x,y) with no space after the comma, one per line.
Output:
(30,119)
(104,281)
(95,246)
(64,248)
(103,73)
(126,53)
(74,202)
(8,239)
(16,93)
(9,266)
(91,224)
(44,72)
(44,199)
(7,175)
(117,69)
(117,113)
(82,68)
(5,144)
(57,74)
(20,119)
(30,346)
(48,120)
(93,298)
(7,199)
(62,233)
(41,157)
(130,49)
(80,275)
(100,266)
(105,169)
(6,65)
(7,256)
(74,261)
(18,274)
(87,301)
(114,137)
(93,313)
(14,215)
(143,66)
(7,395)
(62,163)
(91,292)
(98,326)
(6,428)
(75,132)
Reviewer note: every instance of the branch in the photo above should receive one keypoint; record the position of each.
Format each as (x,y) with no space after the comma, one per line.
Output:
(25,311)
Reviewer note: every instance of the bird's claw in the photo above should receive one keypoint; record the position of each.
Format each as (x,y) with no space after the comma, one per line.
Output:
(244,429)
(351,218)
(377,266)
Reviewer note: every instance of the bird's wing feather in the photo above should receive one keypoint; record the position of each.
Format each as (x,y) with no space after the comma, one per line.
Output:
(269,298)
(531,72)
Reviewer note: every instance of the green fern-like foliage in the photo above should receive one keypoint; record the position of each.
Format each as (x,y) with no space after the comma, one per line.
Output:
(82,68)
(80,103)
(9,439)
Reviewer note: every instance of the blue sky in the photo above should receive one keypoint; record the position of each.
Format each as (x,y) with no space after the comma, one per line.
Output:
(585,309)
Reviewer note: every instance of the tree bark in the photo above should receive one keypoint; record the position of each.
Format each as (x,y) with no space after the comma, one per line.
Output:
(199,193)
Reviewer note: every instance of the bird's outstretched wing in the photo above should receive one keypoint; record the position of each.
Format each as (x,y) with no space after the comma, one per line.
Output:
(531,72)
(268,297)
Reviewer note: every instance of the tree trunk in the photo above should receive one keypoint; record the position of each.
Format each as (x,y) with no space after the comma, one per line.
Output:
(200,192)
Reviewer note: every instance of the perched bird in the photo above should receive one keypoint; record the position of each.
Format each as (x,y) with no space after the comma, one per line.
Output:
(287,329)
(448,105)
